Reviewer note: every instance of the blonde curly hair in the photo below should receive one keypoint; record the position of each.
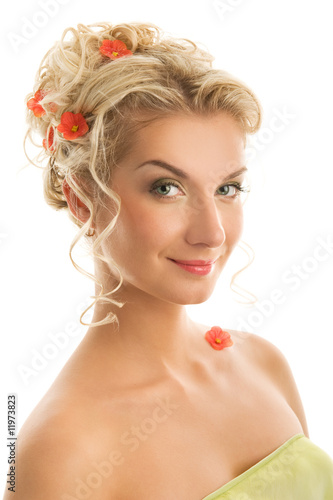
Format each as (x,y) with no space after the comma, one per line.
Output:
(163,76)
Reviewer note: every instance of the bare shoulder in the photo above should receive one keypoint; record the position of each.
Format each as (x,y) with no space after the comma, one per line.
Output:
(266,356)
(260,351)
(59,459)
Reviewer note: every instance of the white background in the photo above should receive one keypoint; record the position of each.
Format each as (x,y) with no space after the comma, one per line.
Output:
(283,51)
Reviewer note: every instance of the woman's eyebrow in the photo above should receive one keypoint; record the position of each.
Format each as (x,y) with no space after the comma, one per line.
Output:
(181,173)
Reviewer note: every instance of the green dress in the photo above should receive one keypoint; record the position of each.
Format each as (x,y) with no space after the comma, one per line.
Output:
(297,470)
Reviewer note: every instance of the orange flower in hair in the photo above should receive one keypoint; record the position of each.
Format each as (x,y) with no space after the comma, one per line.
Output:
(114,49)
(37,108)
(48,142)
(34,105)
(72,125)
(218,338)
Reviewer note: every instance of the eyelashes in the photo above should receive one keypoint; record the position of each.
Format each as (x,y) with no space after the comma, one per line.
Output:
(168,184)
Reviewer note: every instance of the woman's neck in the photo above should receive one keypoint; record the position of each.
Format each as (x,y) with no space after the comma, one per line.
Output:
(152,332)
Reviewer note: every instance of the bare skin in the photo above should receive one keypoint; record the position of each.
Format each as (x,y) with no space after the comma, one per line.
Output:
(151,410)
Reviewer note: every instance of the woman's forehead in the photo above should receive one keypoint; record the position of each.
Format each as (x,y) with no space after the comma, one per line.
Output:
(182,139)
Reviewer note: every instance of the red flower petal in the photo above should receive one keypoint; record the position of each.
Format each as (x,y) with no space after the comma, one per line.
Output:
(218,338)
(114,49)
(37,108)
(40,94)
(72,125)
(48,141)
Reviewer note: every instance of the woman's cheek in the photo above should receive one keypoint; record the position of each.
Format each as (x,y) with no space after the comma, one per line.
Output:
(158,229)
(233,227)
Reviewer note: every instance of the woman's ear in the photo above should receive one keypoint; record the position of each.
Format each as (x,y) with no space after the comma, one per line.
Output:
(76,206)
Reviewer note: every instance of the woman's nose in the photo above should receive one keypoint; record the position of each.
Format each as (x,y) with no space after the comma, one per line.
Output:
(204,224)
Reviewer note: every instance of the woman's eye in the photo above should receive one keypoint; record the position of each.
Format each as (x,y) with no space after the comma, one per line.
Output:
(165,189)
(232,190)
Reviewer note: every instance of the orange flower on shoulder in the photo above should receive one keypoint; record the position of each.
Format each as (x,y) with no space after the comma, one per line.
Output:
(48,142)
(72,125)
(114,49)
(218,338)
(37,108)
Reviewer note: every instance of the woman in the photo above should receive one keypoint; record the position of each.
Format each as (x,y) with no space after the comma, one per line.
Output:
(146,154)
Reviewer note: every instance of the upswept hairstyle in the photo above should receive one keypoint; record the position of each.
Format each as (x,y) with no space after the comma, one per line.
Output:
(163,76)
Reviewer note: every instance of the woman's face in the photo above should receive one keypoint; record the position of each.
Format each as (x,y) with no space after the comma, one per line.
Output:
(179,202)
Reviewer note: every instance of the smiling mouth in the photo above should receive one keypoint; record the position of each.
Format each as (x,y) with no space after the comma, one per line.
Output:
(200,267)
(195,262)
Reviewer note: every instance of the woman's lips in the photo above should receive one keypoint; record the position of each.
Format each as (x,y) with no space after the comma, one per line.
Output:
(195,262)
(201,267)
